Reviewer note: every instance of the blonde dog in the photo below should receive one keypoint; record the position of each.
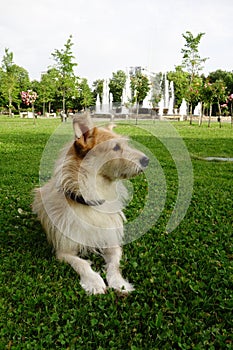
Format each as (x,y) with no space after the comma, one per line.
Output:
(80,207)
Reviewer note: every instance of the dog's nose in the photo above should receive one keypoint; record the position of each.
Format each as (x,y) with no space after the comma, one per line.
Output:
(144,161)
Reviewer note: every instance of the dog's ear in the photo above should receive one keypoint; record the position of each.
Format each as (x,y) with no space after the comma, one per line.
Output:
(82,125)
(85,132)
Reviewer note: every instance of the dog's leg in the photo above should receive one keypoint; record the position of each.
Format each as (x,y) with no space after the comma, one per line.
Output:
(90,280)
(115,280)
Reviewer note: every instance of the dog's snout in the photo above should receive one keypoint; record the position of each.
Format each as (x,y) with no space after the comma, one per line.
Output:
(144,161)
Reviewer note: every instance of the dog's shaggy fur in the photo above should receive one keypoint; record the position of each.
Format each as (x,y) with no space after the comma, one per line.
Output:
(80,207)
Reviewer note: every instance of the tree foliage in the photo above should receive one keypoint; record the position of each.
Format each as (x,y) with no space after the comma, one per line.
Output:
(193,92)
(12,80)
(67,82)
(192,61)
(98,86)
(181,81)
(156,88)
(117,84)
(86,97)
(140,86)
(48,87)
(226,77)
(213,93)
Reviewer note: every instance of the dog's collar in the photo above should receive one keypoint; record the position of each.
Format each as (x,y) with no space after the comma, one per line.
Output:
(79,199)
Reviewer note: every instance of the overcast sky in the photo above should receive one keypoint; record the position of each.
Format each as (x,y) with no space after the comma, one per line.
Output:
(109,35)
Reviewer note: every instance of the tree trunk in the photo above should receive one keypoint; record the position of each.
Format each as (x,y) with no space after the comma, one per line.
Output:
(210,115)
(191,114)
(64,102)
(43,109)
(219,109)
(10,104)
(205,112)
(219,117)
(231,115)
(137,108)
(200,116)
(33,113)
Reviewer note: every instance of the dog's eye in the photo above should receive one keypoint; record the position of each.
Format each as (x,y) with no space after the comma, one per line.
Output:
(116,147)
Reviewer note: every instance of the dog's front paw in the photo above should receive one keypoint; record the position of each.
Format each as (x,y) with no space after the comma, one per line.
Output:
(93,283)
(120,284)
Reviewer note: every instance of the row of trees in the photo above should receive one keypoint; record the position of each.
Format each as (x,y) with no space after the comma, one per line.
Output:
(13,79)
(215,92)
(61,89)
(58,88)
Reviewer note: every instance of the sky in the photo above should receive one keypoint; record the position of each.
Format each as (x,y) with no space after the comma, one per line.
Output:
(110,35)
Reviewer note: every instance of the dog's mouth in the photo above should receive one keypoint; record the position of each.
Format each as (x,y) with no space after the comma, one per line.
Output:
(138,170)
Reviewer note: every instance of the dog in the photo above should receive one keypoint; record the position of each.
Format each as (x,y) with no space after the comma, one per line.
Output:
(80,207)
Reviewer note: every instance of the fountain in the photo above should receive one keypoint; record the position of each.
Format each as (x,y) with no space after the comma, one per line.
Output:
(97,105)
(147,100)
(126,96)
(159,85)
(166,91)
(105,99)
(110,101)
(161,107)
(197,109)
(171,99)
(183,109)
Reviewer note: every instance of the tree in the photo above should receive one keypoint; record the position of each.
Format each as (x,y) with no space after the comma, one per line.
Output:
(140,86)
(48,88)
(29,98)
(67,82)
(230,103)
(220,94)
(12,78)
(181,80)
(98,86)
(35,86)
(226,77)
(23,81)
(117,84)
(191,57)
(86,97)
(213,92)
(192,61)
(8,79)
(156,88)
(193,94)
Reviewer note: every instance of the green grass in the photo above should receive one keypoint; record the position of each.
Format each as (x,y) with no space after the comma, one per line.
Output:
(183,280)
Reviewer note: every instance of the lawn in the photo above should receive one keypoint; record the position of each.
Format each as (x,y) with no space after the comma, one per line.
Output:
(183,278)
